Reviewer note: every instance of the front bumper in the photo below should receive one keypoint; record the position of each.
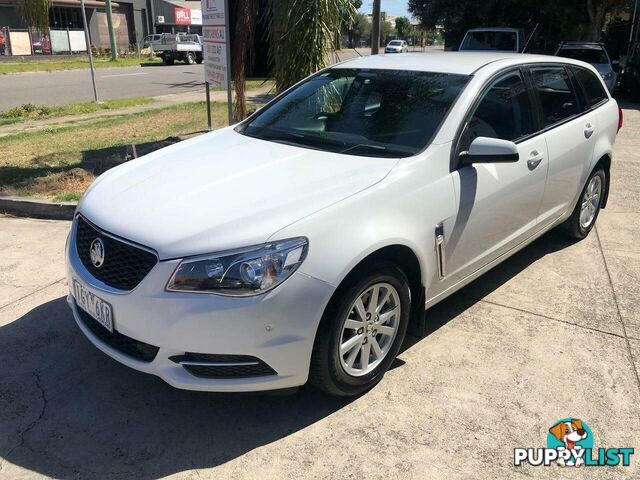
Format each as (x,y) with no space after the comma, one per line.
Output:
(278,327)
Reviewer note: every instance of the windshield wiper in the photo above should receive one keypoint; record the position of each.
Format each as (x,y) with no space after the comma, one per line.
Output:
(381,149)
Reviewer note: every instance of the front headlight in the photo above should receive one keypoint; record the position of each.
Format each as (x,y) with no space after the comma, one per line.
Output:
(248,271)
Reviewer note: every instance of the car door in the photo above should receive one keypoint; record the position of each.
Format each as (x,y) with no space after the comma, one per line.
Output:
(497,203)
(570,132)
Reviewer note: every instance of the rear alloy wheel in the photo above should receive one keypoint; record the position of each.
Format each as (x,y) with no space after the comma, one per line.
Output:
(361,332)
(587,209)
(190,60)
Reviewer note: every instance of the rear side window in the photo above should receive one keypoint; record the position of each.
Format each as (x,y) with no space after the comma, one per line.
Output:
(592,86)
(557,98)
(504,112)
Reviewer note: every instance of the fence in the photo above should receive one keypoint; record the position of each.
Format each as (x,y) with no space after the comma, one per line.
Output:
(27,42)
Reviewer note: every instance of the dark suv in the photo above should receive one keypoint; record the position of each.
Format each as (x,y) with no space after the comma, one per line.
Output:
(631,77)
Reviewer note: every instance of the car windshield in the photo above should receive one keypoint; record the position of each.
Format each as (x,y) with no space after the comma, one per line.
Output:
(395,43)
(500,41)
(376,113)
(589,55)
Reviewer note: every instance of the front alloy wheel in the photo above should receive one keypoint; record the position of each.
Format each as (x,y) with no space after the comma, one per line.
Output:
(361,330)
(369,329)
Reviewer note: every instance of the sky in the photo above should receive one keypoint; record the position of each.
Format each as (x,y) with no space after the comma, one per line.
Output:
(397,8)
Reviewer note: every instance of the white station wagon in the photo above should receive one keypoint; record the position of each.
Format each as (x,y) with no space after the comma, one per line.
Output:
(300,244)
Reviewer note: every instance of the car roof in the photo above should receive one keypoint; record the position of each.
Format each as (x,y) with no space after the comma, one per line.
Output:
(494,29)
(578,42)
(464,63)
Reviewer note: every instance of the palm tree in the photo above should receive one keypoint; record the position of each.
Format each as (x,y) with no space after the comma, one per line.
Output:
(301,33)
(36,13)
(242,54)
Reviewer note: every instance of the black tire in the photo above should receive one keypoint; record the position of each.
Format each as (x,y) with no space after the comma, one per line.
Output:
(189,60)
(199,60)
(168,60)
(327,372)
(572,225)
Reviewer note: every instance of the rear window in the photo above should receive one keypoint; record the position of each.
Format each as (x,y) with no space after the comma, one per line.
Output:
(588,55)
(395,43)
(500,41)
(557,98)
(592,86)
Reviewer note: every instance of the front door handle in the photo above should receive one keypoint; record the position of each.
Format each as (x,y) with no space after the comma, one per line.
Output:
(534,160)
(588,130)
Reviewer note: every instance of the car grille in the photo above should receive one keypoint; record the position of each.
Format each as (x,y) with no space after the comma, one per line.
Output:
(124,265)
(123,344)
(223,366)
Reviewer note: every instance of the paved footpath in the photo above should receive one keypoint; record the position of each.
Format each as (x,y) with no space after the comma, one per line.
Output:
(551,333)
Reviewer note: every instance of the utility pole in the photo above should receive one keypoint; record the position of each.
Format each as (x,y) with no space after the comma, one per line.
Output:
(112,36)
(88,43)
(633,27)
(375,28)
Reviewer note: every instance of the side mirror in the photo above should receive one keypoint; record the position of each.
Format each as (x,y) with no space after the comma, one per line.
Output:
(615,66)
(490,150)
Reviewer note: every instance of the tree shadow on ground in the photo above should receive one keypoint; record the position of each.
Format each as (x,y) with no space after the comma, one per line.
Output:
(94,161)
(67,410)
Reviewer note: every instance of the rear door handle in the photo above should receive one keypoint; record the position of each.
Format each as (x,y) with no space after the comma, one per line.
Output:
(588,130)
(534,160)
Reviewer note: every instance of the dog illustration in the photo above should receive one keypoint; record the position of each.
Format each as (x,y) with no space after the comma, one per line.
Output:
(569,433)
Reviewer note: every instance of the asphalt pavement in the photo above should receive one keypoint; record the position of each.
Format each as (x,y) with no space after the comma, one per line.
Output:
(553,332)
(72,86)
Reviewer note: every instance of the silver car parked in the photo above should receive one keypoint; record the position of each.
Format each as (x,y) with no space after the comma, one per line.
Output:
(596,55)
(396,46)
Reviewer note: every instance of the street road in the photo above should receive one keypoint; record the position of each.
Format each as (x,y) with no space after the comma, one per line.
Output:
(72,86)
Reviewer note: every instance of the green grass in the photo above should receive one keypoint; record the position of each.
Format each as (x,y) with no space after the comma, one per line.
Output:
(53,64)
(67,197)
(33,112)
(60,162)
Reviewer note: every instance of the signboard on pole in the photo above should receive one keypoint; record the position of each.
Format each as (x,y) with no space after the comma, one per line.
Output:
(214,39)
(182,16)
(196,16)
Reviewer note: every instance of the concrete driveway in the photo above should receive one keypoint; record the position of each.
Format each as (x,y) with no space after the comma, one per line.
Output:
(551,333)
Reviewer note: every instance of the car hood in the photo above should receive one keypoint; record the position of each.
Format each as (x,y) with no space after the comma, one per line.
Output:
(222,190)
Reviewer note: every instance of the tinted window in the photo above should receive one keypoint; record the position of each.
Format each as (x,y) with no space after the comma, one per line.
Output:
(591,85)
(557,98)
(503,112)
(589,55)
(382,113)
(502,41)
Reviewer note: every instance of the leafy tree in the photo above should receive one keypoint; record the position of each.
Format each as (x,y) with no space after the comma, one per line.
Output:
(361,26)
(557,20)
(597,11)
(36,13)
(385,31)
(403,27)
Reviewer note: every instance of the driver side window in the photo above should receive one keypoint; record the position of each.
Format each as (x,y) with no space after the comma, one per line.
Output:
(503,112)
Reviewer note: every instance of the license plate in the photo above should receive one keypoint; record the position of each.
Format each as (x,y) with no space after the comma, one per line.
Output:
(100,310)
